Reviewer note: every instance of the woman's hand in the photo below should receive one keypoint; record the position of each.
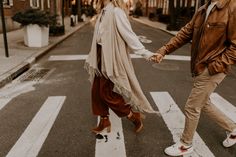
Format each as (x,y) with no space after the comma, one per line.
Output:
(157,58)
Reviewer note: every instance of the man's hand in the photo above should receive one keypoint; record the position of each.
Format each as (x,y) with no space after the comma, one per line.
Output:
(157,57)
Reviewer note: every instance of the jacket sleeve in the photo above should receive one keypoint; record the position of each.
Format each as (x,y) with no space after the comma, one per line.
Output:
(182,37)
(229,56)
(126,32)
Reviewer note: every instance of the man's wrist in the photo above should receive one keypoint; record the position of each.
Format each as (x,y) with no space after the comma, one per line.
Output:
(160,53)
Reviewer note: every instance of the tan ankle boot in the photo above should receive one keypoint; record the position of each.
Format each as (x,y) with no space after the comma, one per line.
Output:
(136,118)
(103,124)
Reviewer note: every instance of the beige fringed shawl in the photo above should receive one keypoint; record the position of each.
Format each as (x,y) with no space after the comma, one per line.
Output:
(116,63)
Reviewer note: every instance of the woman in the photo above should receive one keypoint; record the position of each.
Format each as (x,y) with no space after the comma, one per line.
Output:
(115,85)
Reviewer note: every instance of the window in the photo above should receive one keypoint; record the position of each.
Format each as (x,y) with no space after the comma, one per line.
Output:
(8,2)
(34,3)
(45,4)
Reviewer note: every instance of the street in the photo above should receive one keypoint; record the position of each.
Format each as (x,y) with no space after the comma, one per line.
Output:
(46,112)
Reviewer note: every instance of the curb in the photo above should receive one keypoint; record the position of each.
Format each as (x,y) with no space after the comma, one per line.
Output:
(28,62)
(32,59)
(147,24)
(13,73)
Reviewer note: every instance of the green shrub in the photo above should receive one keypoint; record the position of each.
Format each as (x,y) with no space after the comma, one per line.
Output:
(56,30)
(34,16)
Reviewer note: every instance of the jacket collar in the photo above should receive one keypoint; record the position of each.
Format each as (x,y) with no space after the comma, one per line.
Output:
(220,4)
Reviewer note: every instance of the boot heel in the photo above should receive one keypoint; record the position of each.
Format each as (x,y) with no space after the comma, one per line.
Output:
(136,118)
(104,124)
(142,116)
(108,129)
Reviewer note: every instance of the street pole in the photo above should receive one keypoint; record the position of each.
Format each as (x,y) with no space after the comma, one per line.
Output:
(147,4)
(63,13)
(4,30)
(79,7)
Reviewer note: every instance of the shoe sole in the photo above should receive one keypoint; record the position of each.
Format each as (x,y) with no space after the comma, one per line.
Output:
(139,129)
(228,145)
(185,153)
(142,116)
(108,130)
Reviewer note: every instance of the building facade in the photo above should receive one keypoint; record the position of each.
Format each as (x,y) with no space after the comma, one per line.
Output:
(151,6)
(53,6)
(174,12)
(13,6)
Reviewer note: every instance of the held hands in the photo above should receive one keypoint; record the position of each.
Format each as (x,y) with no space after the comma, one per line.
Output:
(157,58)
(150,56)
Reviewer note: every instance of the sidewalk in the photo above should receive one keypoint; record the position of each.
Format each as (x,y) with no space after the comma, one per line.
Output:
(21,57)
(154,24)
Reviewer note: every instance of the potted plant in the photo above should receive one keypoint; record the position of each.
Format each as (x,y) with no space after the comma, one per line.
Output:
(36,26)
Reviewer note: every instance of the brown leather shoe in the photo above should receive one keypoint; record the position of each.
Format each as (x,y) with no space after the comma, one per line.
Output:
(103,124)
(136,118)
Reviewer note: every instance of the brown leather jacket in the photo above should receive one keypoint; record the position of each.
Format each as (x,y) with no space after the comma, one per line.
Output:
(213,40)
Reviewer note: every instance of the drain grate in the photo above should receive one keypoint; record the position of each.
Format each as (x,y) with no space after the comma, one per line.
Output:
(35,75)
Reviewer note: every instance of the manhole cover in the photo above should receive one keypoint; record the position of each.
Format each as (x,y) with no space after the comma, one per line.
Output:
(34,74)
(166,66)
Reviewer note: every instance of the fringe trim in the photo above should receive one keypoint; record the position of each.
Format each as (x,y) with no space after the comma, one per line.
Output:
(127,95)
(91,71)
(129,99)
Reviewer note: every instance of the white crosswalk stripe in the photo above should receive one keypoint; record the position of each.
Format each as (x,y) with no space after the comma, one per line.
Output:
(13,90)
(83,57)
(113,143)
(223,105)
(174,119)
(4,102)
(31,141)
(67,57)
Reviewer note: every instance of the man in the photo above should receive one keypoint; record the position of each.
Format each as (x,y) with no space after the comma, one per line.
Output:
(213,34)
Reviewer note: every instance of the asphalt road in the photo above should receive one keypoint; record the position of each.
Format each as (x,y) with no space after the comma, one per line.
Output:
(69,135)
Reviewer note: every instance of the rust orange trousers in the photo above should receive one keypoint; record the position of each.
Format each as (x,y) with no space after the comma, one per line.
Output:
(104,98)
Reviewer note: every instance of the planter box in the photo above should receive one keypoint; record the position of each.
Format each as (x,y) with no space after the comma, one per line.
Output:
(36,36)
(56,30)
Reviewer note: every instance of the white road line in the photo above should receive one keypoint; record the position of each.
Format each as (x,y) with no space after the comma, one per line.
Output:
(174,119)
(83,57)
(67,57)
(223,105)
(31,141)
(4,102)
(10,91)
(177,57)
(168,57)
(113,143)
